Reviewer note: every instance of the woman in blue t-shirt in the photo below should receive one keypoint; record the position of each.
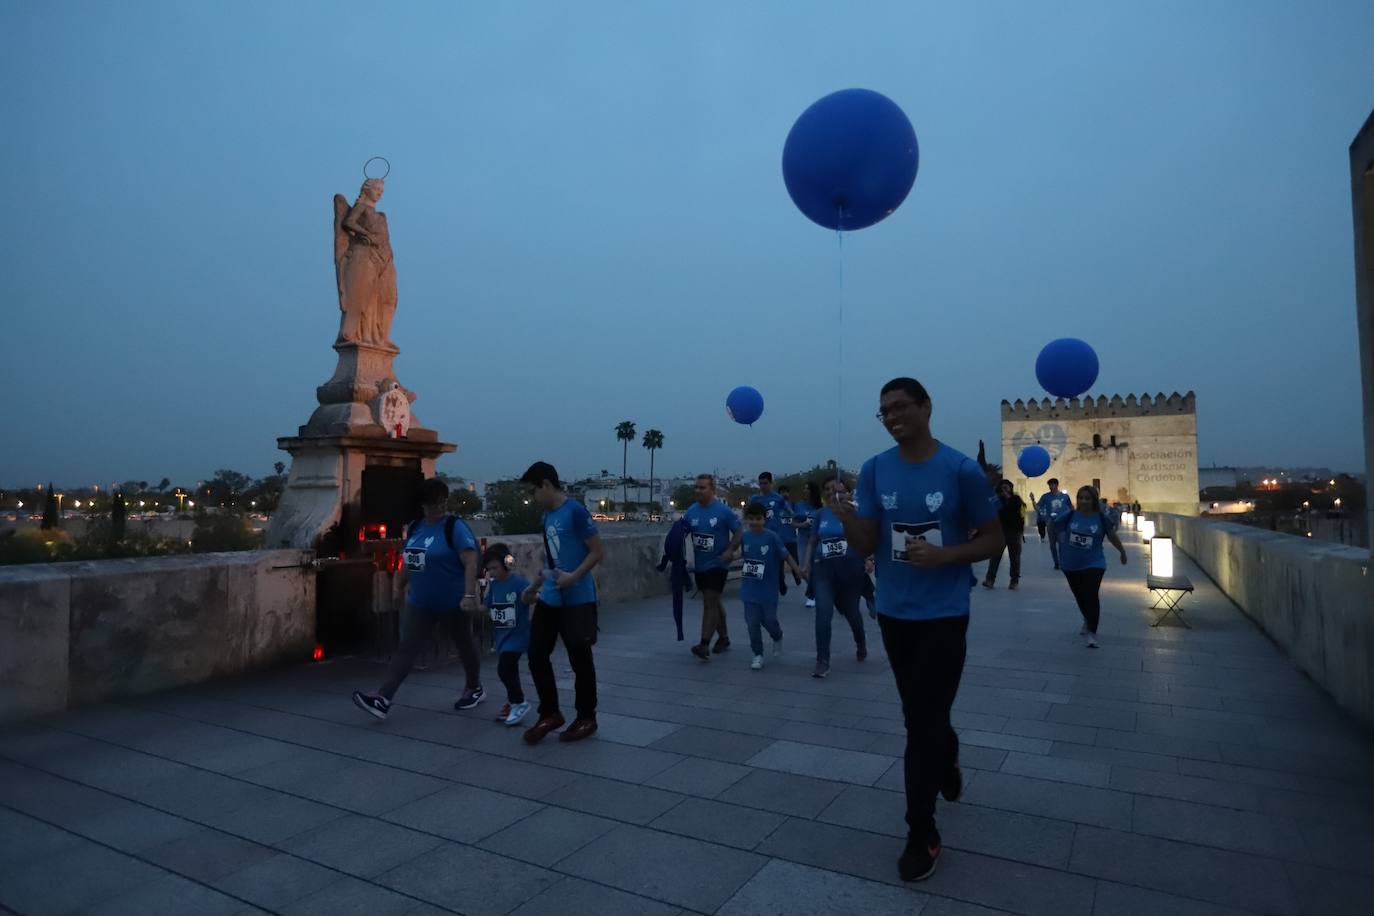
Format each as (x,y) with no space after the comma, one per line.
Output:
(838,575)
(803,517)
(1080,532)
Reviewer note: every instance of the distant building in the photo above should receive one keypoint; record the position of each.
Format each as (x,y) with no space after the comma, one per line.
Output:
(1217,477)
(1131,449)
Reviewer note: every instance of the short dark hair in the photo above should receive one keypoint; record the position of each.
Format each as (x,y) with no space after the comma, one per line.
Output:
(755,510)
(910,386)
(496,553)
(766,475)
(710,477)
(784,488)
(539,472)
(1052,482)
(838,478)
(433,490)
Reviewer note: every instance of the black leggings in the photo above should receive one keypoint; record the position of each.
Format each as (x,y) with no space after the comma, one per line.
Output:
(508,670)
(417,628)
(1085,583)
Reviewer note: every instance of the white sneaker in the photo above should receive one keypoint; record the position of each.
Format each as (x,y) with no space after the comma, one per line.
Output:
(1092,640)
(517,713)
(1083,630)
(777,647)
(757,663)
(810,602)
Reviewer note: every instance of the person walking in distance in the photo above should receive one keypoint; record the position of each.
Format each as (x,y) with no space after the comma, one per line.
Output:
(761,551)
(838,573)
(715,532)
(789,528)
(803,514)
(774,507)
(1050,505)
(510,621)
(927,513)
(1080,531)
(1011,513)
(564,605)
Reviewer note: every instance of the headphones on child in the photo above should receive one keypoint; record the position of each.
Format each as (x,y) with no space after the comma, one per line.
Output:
(501,554)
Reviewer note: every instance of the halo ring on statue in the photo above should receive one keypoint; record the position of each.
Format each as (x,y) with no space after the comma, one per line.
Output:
(381,159)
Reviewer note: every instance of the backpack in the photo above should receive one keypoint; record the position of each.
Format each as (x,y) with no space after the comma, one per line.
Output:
(450,521)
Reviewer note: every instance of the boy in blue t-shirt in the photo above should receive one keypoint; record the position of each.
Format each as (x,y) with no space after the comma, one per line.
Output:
(763,554)
(916,506)
(1079,533)
(775,507)
(714,531)
(510,621)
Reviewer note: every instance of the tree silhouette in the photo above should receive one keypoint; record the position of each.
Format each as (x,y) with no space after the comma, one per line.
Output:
(625,432)
(653,441)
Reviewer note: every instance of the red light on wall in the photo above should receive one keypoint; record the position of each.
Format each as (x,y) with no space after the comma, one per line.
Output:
(318,654)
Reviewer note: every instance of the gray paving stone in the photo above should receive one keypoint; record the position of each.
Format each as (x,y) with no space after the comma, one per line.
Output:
(208,855)
(469,880)
(1339,846)
(788,889)
(1192,748)
(351,897)
(1059,769)
(1123,900)
(80,876)
(243,753)
(616,800)
(632,730)
(827,736)
(1185,788)
(273,819)
(50,798)
(698,776)
(822,762)
(1331,893)
(731,747)
(1305,806)
(366,788)
(1224,828)
(168,894)
(114,769)
(510,777)
(785,793)
(463,813)
(1002,742)
(131,827)
(277,882)
(1012,886)
(1073,714)
(198,795)
(23,839)
(360,846)
(575,897)
(718,822)
(1053,731)
(1112,755)
(548,836)
(1064,801)
(1218,876)
(673,869)
(827,846)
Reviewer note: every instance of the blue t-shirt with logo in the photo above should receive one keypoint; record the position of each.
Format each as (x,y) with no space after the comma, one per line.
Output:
(785,520)
(566,532)
(1051,504)
(711,528)
(774,507)
(802,511)
(760,555)
(434,571)
(940,501)
(832,547)
(510,617)
(1080,539)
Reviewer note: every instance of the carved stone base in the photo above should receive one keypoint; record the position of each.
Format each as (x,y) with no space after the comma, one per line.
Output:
(325,485)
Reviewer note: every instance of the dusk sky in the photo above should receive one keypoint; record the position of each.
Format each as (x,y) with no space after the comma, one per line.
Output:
(590,224)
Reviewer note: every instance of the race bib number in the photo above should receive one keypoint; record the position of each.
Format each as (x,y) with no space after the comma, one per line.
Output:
(706,542)
(753,569)
(787,520)
(1081,541)
(415,559)
(503,615)
(833,547)
(923,531)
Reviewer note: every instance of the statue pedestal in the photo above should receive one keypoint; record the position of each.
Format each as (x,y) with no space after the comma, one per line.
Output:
(345,444)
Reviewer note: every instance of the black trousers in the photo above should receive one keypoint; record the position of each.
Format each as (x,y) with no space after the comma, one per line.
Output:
(1013,552)
(508,670)
(927,659)
(576,624)
(417,628)
(1085,585)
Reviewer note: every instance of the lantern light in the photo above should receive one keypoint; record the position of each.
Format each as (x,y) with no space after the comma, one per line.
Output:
(1162,557)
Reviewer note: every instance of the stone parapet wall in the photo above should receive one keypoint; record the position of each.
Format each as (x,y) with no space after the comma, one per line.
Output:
(1315,600)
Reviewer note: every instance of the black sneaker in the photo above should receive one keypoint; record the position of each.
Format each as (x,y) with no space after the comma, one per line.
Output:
(918,859)
(953,786)
(987,583)
(701,652)
(721,645)
(470,698)
(374,703)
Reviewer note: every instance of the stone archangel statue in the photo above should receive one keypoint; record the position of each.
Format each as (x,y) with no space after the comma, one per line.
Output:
(364,268)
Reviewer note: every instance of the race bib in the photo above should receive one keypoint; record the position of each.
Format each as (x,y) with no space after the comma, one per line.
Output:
(705,542)
(925,531)
(787,520)
(833,547)
(415,559)
(503,615)
(1082,541)
(753,569)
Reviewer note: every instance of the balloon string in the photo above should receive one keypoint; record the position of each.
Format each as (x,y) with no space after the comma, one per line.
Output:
(839,388)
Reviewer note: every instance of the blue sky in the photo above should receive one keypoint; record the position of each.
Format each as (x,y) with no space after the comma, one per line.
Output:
(590,223)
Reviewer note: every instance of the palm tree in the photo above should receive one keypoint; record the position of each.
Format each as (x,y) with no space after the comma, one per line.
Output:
(625,432)
(653,441)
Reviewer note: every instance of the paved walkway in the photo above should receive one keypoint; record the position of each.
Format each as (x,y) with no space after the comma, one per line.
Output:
(1172,771)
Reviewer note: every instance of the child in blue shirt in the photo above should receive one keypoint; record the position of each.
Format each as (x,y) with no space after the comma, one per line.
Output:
(764,556)
(1079,533)
(510,620)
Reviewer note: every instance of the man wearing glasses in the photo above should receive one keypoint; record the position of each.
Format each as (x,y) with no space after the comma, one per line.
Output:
(915,506)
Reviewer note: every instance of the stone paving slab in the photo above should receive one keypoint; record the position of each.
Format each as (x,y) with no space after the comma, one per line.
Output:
(1192,772)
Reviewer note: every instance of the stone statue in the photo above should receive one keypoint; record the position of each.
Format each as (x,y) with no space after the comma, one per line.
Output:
(364,268)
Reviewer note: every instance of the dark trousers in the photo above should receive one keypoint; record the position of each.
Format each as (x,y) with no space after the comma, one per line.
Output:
(417,629)
(1040,527)
(927,659)
(547,624)
(1085,583)
(1013,550)
(838,590)
(508,670)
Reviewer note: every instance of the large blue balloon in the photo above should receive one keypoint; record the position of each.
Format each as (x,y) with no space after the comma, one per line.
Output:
(850,159)
(744,405)
(1066,367)
(1033,461)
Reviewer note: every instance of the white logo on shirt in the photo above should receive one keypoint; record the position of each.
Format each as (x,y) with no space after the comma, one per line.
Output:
(764,550)
(935,500)
(551,532)
(429,540)
(713,522)
(890,500)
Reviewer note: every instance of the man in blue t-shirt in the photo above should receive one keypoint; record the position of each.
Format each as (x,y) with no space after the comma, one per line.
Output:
(714,530)
(916,506)
(1050,505)
(774,509)
(564,605)
(440,580)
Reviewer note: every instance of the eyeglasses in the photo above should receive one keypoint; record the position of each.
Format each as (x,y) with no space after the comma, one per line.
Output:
(893,409)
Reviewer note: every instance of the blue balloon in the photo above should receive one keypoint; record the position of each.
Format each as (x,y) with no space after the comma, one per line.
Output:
(850,159)
(744,405)
(1066,367)
(1033,461)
